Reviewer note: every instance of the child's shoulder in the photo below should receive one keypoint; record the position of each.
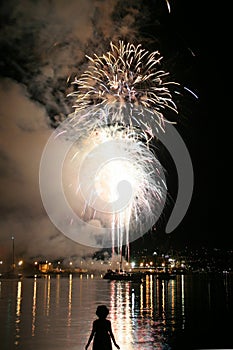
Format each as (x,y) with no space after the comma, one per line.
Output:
(103,320)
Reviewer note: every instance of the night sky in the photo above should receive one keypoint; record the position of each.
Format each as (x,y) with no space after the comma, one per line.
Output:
(42,44)
(187,36)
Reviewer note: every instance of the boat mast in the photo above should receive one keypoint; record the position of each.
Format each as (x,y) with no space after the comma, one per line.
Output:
(13,253)
(121,265)
(127,254)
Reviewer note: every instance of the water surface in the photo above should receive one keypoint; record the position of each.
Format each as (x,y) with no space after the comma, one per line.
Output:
(56,313)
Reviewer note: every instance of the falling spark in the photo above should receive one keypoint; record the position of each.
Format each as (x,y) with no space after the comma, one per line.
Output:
(168,6)
(126,74)
(112,96)
(191,92)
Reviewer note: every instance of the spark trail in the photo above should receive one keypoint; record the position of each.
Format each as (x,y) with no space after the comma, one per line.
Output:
(121,85)
(113,185)
(127,74)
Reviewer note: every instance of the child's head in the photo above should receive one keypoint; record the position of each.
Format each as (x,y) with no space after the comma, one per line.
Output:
(102,311)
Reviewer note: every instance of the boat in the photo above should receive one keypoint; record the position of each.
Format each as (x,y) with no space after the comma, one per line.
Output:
(123,276)
(33,276)
(166,276)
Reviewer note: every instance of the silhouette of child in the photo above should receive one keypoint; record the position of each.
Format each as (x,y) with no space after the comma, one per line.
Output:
(102,331)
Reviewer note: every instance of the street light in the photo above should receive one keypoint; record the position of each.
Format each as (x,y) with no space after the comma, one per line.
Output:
(13,252)
(133,264)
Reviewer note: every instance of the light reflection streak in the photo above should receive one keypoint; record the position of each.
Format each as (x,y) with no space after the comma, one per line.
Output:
(147,292)
(163,298)
(80,290)
(158,303)
(151,295)
(34,307)
(58,291)
(128,327)
(18,312)
(132,303)
(141,300)
(69,301)
(182,301)
(120,312)
(47,295)
(19,292)
(173,300)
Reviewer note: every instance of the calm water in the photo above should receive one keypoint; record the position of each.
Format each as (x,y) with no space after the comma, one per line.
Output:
(190,312)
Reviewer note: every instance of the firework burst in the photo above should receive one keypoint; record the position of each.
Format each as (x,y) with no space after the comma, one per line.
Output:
(113,179)
(128,93)
(127,74)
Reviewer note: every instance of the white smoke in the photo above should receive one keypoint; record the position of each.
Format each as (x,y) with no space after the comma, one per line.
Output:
(24,132)
(44,42)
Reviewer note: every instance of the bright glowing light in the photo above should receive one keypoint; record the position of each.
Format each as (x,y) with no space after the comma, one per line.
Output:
(20,262)
(168,6)
(126,74)
(105,151)
(111,176)
(124,80)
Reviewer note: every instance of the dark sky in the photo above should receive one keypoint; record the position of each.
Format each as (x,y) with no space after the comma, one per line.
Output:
(187,37)
(195,25)
(44,43)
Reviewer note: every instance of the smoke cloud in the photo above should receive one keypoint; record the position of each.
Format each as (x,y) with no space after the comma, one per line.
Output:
(43,45)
